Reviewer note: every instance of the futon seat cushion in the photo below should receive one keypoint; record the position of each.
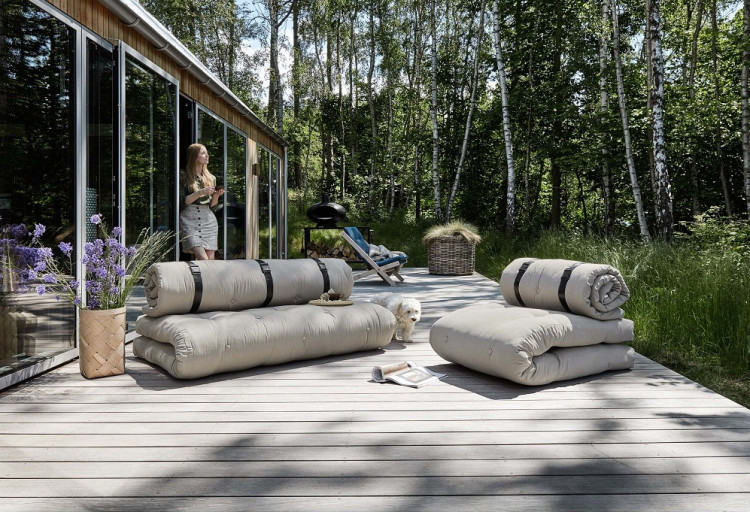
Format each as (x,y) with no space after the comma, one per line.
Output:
(532,346)
(195,345)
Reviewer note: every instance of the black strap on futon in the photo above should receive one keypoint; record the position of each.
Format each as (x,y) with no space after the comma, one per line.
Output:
(563,284)
(324,271)
(517,282)
(269,281)
(195,270)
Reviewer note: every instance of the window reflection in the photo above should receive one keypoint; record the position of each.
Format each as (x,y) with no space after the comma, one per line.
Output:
(149,152)
(268,203)
(235,198)
(211,135)
(37,175)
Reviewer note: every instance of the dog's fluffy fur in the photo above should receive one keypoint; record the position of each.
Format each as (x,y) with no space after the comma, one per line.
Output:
(407,310)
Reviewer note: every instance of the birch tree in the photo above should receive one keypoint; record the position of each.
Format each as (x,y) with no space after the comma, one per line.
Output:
(608,216)
(745,107)
(371,102)
(664,217)
(626,128)
(469,115)
(433,112)
(510,218)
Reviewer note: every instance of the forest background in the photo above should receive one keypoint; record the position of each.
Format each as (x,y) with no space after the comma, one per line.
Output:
(611,131)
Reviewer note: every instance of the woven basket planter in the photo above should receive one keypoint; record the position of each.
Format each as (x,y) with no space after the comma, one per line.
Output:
(101,342)
(451,256)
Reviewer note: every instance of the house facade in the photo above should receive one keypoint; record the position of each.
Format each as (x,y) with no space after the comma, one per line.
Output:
(98,102)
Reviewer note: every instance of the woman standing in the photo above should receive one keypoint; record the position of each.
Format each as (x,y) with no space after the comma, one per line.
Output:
(198,224)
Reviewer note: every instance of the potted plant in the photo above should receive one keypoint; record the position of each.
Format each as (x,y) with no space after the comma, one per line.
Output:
(451,248)
(111,272)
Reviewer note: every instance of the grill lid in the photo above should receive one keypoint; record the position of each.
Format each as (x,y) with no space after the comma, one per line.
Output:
(326,213)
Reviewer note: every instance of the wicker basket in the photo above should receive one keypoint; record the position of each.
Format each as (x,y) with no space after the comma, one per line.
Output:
(451,256)
(101,342)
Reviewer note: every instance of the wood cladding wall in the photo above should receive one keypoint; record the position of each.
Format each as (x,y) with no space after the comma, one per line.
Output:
(97,18)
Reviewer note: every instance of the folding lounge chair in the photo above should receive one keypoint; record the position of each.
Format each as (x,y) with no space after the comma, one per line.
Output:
(383,268)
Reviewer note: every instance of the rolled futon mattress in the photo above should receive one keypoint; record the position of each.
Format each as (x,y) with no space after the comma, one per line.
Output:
(195,345)
(590,289)
(532,346)
(215,285)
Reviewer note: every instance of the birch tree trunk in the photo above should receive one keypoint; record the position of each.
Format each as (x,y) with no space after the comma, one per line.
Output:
(717,98)
(472,106)
(650,105)
(626,128)
(433,113)
(273,15)
(745,107)
(418,54)
(296,89)
(373,123)
(603,109)
(510,216)
(664,216)
(353,72)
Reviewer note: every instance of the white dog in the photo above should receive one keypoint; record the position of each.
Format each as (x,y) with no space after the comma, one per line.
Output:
(407,310)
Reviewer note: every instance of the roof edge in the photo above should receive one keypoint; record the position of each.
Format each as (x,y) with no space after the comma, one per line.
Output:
(134,15)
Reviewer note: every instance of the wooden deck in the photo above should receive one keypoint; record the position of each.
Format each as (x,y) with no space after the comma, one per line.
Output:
(320,436)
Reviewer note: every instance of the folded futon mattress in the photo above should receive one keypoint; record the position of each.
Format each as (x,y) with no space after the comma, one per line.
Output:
(217,285)
(532,346)
(591,289)
(196,345)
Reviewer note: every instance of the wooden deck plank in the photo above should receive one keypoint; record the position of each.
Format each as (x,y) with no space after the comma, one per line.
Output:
(321,434)
(496,453)
(374,485)
(392,468)
(736,502)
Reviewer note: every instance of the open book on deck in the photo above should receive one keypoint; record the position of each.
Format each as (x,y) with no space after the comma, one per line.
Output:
(406,374)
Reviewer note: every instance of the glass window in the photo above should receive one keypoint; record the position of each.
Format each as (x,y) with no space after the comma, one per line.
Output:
(101,179)
(265,209)
(150,124)
(211,134)
(235,201)
(37,175)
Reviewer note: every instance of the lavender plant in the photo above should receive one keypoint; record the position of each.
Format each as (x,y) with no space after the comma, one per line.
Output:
(111,268)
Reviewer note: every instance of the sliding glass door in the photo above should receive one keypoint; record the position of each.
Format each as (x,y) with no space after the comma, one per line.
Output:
(38,177)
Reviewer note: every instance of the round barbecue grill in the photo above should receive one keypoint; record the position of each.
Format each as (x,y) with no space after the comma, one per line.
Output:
(326,214)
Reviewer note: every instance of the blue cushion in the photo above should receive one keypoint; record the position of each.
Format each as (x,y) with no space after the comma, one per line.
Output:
(356,235)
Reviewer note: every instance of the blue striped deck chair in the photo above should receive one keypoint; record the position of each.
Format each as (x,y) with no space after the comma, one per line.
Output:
(383,268)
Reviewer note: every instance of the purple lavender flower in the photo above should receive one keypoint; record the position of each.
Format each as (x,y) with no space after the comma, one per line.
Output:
(96,219)
(66,248)
(41,289)
(39,230)
(116,231)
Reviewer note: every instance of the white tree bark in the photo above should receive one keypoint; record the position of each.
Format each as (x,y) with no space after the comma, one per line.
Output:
(433,113)
(745,108)
(626,129)
(603,109)
(373,123)
(469,116)
(510,216)
(664,216)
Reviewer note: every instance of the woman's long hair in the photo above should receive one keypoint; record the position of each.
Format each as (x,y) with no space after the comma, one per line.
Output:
(207,180)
